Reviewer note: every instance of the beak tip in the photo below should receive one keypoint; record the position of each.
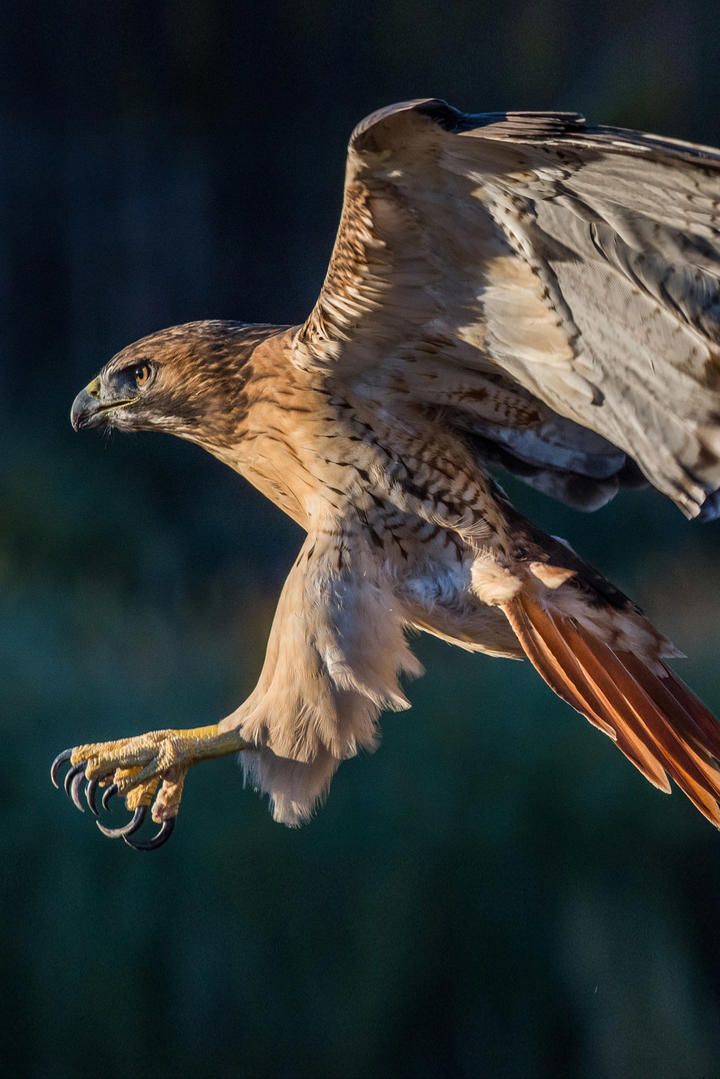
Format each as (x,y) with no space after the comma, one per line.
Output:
(78,418)
(85,407)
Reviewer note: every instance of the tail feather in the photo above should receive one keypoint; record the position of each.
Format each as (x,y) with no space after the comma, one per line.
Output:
(631,738)
(547,652)
(693,773)
(653,717)
(592,697)
(680,701)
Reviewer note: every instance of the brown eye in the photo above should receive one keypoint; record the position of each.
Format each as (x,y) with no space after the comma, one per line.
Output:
(141,374)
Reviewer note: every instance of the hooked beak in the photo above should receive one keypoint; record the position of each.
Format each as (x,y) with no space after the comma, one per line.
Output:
(89,411)
(86,409)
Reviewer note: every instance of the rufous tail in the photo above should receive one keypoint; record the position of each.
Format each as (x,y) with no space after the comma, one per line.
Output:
(652,716)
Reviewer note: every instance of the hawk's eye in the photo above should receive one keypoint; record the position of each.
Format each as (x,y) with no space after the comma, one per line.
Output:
(141,374)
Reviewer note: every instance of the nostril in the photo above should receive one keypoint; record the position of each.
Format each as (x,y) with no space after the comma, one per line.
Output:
(93,388)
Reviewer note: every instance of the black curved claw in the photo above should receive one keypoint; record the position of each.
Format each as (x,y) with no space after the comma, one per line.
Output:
(72,779)
(59,760)
(166,830)
(109,793)
(76,784)
(132,826)
(91,791)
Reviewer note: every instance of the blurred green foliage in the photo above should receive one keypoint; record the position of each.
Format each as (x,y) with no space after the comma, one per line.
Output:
(496,892)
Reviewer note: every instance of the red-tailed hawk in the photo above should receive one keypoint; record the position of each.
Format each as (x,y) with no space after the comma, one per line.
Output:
(512,288)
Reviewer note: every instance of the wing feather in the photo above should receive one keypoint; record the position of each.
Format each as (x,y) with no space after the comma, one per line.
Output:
(572,267)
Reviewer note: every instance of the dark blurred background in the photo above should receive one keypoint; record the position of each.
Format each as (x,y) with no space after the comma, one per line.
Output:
(497,892)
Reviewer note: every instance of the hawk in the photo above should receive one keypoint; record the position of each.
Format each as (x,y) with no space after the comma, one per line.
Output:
(514,289)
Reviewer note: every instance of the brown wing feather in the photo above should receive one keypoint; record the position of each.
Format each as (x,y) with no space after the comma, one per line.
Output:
(658,723)
(581,263)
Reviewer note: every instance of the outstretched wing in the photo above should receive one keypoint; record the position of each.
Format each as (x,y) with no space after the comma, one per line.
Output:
(553,288)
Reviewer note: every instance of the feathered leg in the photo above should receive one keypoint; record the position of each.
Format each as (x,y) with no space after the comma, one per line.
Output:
(336,650)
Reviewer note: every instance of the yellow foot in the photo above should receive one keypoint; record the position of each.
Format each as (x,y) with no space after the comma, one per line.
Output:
(146,771)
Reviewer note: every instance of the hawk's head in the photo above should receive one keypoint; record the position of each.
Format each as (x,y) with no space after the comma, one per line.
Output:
(187,380)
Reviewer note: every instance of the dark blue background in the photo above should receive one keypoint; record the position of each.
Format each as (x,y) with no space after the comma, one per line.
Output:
(496,892)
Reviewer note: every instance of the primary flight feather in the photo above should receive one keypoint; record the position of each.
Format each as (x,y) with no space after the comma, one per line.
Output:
(506,288)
